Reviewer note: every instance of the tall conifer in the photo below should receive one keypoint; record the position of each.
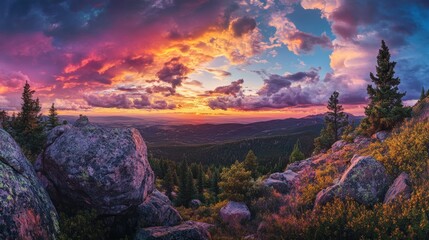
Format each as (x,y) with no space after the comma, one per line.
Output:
(385,108)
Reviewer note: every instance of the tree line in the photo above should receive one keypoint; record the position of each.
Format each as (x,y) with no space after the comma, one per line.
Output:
(29,127)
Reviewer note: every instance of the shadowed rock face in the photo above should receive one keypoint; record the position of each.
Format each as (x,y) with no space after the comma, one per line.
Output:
(156,210)
(281,182)
(26,212)
(365,181)
(186,231)
(235,213)
(94,167)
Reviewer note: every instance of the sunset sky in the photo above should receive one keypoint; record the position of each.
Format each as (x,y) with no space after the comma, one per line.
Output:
(201,60)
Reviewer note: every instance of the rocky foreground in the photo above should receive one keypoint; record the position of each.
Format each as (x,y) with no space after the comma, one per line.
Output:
(26,211)
(85,166)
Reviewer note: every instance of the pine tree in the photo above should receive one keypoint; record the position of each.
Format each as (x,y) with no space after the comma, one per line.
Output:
(251,163)
(296,154)
(200,183)
(214,184)
(190,188)
(335,120)
(168,182)
(3,119)
(53,120)
(385,108)
(28,127)
(336,115)
(423,94)
(186,185)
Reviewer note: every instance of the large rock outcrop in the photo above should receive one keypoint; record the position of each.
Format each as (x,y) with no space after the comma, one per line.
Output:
(26,212)
(186,231)
(365,181)
(235,213)
(87,166)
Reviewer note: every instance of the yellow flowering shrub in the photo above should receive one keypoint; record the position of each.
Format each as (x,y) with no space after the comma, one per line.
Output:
(406,150)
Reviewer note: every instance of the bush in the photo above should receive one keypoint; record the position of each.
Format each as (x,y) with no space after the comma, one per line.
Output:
(324,177)
(402,219)
(406,150)
(236,183)
(83,225)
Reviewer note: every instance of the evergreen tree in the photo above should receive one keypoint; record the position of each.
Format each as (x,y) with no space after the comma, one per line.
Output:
(296,154)
(385,108)
(336,115)
(214,184)
(335,120)
(236,183)
(200,184)
(28,128)
(325,140)
(423,94)
(4,118)
(186,185)
(168,182)
(53,120)
(251,163)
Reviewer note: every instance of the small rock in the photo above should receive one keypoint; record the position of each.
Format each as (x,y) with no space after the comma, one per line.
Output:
(235,213)
(299,165)
(195,203)
(338,145)
(365,181)
(400,187)
(281,182)
(381,135)
(82,121)
(186,231)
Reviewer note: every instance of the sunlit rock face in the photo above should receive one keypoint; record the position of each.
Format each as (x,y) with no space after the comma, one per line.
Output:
(365,181)
(26,212)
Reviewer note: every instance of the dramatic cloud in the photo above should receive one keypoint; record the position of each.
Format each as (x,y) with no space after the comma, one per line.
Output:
(276,82)
(109,101)
(139,101)
(12,80)
(233,89)
(277,92)
(296,41)
(173,72)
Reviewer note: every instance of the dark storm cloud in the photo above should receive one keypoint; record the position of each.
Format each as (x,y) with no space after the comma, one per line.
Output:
(393,21)
(125,101)
(242,26)
(277,92)
(308,41)
(173,72)
(108,101)
(233,89)
(275,83)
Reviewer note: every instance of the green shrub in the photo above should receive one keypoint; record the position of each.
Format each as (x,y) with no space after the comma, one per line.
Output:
(83,225)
